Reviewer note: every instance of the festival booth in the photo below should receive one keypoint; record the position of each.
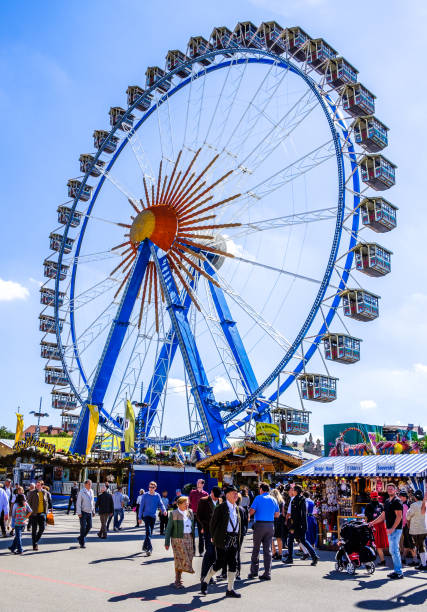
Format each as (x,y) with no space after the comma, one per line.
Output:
(341,486)
(248,464)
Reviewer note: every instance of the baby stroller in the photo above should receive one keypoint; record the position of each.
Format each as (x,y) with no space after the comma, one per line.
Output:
(356,548)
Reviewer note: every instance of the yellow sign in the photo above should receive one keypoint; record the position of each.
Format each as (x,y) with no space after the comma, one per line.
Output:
(32,441)
(265,432)
(93,426)
(19,434)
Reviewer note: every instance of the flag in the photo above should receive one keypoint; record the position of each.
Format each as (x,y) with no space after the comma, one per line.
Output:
(19,434)
(129,427)
(93,426)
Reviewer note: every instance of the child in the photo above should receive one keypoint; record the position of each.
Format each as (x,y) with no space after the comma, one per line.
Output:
(21,511)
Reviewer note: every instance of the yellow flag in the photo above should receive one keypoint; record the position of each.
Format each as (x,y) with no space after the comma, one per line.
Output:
(129,427)
(19,434)
(93,426)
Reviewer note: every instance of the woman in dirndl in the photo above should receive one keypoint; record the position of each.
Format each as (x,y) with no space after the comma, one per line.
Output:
(373,511)
(180,531)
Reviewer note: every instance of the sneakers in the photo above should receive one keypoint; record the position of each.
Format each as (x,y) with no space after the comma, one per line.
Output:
(203,587)
(264,577)
(421,567)
(304,557)
(287,560)
(252,576)
(315,560)
(395,576)
(232,593)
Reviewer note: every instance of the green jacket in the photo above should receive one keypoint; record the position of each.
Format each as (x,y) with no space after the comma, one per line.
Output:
(175,526)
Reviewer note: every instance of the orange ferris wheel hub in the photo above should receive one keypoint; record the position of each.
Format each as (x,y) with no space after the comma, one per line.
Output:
(158,223)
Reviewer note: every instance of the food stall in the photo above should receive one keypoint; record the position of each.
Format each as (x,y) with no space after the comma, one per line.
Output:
(341,486)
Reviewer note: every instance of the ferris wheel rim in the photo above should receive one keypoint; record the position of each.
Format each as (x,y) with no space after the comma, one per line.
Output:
(265,57)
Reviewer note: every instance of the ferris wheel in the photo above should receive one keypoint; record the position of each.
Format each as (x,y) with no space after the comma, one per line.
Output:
(206,253)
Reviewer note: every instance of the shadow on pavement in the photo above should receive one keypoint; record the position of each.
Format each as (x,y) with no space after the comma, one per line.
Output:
(416,596)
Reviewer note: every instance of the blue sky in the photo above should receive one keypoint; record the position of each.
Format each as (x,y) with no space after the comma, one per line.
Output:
(64,64)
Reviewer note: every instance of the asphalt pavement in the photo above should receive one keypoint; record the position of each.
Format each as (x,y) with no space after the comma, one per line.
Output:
(114,574)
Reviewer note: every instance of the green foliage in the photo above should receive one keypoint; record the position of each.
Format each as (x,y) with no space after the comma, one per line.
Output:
(5,433)
(150,452)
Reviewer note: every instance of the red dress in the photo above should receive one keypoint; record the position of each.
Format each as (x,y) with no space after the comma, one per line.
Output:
(380,533)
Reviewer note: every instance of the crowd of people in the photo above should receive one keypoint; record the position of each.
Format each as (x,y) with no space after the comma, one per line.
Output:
(217,522)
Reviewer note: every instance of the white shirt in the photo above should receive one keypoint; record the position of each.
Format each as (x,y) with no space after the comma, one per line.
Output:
(187,521)
(85,501)
(289,507)
(138,499)
(233,523)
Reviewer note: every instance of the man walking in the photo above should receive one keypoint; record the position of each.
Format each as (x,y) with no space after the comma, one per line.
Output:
(119,502)
(150,503)
(38,500)
(264,509)
(9,492)
(194,498)
(297,511)
(393,513)
(417,519)
(4,510)
(205,512)
(85,511)
(73,497)
(226,529)
(104,505)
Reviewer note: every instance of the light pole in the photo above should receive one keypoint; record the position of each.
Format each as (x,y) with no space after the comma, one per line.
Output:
(39,415)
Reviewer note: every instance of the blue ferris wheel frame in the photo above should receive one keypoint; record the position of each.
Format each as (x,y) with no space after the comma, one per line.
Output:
(254,398)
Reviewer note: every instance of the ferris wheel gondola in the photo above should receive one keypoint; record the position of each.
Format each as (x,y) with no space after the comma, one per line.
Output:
(191,268)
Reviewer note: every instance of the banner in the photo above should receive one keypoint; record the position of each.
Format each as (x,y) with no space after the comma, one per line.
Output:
(129,427)
(93,426)
(19,434)
(33,441)
(265,432)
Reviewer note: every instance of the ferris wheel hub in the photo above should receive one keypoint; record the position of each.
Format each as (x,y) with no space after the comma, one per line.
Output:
(158,223)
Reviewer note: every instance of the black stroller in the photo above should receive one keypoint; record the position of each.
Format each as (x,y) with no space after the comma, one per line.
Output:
(356,548)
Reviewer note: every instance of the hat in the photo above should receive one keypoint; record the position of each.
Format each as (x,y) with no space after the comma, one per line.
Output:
(418,495)
(403,493)
(374,494)
(229,488)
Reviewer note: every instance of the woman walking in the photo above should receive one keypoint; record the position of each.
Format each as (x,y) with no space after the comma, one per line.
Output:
(373,511)
(180,531)
(278,526)
(21,511)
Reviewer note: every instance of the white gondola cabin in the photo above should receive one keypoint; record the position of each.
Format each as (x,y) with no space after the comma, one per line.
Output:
(50,350)
(357,100)
(47,324)
(378,214)
(51,269)
(86,160)
(198,46)
(74,187)
(340,72)
(296,42)
(153,74)
(291,421)
(372,259)
(318,54)
(176,60)
(61,400)
(370,133)
(56,240)
(269,34)
(118,117)
(47,297)
(55,376)
(246,35)
(100,138)
(65,214)
(378,172)
(318,387)
(341,347)
(360,304)
(222,38)
(134,92)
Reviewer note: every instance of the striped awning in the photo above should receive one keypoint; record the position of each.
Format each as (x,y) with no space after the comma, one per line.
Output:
(369,465)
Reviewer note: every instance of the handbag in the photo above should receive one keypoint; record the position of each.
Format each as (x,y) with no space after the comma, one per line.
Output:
(50,519)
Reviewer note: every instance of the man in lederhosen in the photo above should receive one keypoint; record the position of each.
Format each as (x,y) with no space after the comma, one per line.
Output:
(225,528)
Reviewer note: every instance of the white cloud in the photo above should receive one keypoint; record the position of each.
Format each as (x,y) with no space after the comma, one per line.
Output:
(368,404)
(221,385)
(35,281)
(420,368)
(177,385)
(9,291)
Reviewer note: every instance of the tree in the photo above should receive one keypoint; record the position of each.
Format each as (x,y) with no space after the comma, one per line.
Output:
(5,433)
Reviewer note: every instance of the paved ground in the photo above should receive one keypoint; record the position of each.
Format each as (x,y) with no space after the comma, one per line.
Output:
(113,574)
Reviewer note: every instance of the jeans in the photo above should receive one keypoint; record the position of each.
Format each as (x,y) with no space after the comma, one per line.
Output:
(163,522)
(85,526)
(38,524)
(103,530)
(2,523)
(71,501)
(149,522)
(303,541)
(209,556)
(17,540)
(119,515)
(263,534)
(393,546)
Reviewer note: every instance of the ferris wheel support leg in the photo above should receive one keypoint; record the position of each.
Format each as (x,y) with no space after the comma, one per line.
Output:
(235,342)
(112,348)
(207,407)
